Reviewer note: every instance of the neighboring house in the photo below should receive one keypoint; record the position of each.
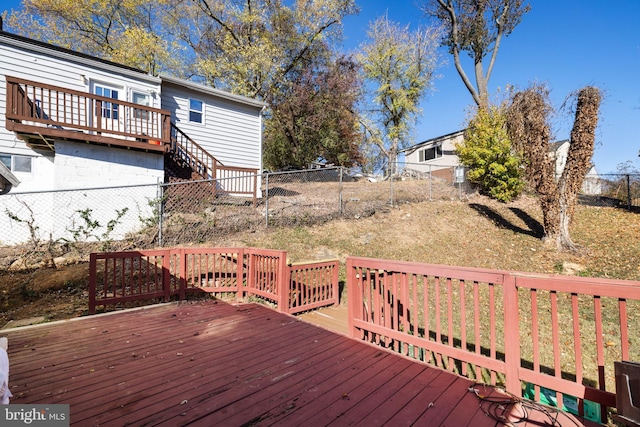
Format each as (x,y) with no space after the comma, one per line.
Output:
(69,121)
(435,156)
(592,185)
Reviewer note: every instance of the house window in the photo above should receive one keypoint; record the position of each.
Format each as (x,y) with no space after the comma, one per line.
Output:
(430,153)
(142,99)
(109,110)
(195,111)
(16,163)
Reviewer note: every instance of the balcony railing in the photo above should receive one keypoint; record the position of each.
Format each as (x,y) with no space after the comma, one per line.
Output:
(40,112)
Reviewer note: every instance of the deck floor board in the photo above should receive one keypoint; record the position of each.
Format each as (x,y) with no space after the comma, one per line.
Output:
(211,363)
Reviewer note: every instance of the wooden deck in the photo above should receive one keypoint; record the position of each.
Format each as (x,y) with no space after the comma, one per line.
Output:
(211,363)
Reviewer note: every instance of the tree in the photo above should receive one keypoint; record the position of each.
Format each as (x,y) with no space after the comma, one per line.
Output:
(477,27)
(316,118)
(399,64)
(487,152)
(527,122)
(256,48)
(127,32)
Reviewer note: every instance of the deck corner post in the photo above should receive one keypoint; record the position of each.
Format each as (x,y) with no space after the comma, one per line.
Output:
(182,279)
(284,282)
(92,283)
(255,190)
(511,335)
(240,277)
(336,283)
(353,298)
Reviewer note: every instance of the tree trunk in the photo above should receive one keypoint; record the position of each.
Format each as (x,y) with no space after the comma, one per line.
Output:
(566,202)
(578,160)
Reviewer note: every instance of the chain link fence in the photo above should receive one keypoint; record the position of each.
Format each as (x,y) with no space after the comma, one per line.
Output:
(614,190)
(120,218)
(194,212)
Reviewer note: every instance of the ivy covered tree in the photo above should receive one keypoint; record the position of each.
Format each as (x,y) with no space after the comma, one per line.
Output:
(487,152)
(529,129)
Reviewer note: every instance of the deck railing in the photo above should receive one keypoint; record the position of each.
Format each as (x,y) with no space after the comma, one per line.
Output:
(313,285)
(548,336)
(186,150)
(116,278)
(48,109)
(230,179)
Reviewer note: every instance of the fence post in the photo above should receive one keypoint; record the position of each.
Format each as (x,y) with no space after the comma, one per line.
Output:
(511,335)
(340,191)
(284,282)
(430,185)
(266,201)
(160,198)
(182,276)
(240,275)
(353,298)
(166,274)
(628,192)
(255,190)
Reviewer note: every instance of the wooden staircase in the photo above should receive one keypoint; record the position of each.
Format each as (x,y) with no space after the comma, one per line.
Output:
(187,161)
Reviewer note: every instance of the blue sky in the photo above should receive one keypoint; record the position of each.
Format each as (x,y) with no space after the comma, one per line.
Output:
(566,44)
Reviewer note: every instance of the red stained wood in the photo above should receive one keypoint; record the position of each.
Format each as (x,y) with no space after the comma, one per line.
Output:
(210,363)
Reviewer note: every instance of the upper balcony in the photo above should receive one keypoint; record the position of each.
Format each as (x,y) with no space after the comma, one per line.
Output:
(40,113)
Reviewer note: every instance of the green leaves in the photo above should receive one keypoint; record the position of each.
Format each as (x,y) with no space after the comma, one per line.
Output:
(487,152)
(399,66)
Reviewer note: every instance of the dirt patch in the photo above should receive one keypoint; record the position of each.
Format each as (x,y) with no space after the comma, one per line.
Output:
(50,293)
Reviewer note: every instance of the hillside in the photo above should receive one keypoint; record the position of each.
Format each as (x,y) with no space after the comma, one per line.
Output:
(476,232)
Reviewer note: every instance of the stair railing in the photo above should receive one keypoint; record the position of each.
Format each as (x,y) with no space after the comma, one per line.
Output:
(186,150)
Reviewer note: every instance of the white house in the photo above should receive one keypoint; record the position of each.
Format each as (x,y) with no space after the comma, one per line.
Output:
(73,121)
(435,156)
(592,185)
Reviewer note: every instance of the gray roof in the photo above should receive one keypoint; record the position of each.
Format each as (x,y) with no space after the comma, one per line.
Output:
(432,141)
(73,56)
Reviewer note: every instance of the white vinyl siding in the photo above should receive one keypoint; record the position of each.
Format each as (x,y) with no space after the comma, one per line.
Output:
(45,65)
(233,132)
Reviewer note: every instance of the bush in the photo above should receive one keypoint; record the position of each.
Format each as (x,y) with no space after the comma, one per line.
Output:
(487,152)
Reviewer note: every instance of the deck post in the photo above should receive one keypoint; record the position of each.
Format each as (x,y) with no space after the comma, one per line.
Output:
(336,283)
(511,335)
(284,282)
(92,283)
(166,273)
(353,294)
(182,280)
(240,279)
